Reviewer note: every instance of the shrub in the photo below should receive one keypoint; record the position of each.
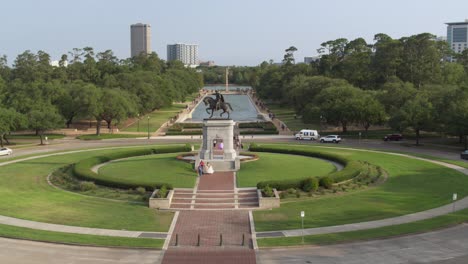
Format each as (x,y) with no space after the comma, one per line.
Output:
(310,184)
(280,185)
(326,182)
(162,193)
(268,191)
(87,186)
(140,190)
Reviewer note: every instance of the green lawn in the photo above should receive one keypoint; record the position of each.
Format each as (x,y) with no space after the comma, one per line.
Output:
(412,186)
(383,232)
(286,114)
(25,194)
(151,169)
(156,119)
(271,166)
(40,235)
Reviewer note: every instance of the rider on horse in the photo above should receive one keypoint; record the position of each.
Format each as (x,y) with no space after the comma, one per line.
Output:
(219,100)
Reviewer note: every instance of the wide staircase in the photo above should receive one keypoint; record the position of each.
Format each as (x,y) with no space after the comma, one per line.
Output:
(215,192)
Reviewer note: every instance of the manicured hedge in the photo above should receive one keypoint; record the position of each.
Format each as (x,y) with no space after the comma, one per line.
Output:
(352,168)
(265,132)
(82,170)
(186,133)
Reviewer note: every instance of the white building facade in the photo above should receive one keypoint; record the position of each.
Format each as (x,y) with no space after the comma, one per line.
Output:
(186,53)
(457,36)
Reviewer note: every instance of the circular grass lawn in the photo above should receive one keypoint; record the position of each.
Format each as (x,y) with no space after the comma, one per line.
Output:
(25,194)
(412,186)
(167,169)
(148,170)
(273,166)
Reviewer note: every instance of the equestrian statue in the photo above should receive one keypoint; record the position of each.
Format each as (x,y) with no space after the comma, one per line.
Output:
(217,104)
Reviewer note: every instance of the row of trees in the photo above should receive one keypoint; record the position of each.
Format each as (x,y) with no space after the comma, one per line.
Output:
(404,83)
(217,75)
(36,95)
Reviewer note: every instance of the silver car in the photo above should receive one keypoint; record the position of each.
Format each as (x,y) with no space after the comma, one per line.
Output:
(5,151)
(330,138)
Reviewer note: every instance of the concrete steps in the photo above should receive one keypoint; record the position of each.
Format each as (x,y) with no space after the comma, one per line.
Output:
(184,199)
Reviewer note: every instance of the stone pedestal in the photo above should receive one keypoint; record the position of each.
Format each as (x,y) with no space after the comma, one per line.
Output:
(221,130)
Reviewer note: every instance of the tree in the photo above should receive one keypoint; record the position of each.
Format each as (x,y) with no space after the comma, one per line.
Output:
(289,56)
(416,113)
(79,100)
(338,105)
(44,117)
(355,67)
(10,120)
(386,59)
(332,53)
(421,59)
(116,106)
(369,111)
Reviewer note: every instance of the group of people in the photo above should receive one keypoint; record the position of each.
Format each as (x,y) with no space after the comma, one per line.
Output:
(204,168)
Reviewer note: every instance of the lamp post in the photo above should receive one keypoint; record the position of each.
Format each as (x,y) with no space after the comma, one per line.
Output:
(138,129)
(148,128)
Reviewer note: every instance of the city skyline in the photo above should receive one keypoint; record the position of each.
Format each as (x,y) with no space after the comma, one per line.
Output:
(229,33)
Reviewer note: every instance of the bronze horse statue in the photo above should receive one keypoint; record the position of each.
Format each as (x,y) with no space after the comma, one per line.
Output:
(213,105)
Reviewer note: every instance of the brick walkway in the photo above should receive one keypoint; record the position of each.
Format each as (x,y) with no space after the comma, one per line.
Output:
(216,236)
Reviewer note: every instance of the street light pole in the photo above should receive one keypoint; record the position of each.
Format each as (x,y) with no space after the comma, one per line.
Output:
(148,128)
(138,130)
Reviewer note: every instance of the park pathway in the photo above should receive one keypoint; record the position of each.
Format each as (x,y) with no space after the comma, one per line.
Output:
(212,236)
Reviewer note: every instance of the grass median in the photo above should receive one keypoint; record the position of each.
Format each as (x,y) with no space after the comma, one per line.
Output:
(376,233)
(69,238)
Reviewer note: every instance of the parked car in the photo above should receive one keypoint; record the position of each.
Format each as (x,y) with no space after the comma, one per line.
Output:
(330,138)
(307,134)
(464,155)
(395,137)
(5,151)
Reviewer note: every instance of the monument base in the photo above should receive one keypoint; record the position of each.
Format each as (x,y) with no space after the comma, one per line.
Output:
(222,158)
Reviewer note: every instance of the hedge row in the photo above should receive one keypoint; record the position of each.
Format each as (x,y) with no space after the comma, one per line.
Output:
(82,170)
(186,133)
(264,125)
(351,169)
(265,132)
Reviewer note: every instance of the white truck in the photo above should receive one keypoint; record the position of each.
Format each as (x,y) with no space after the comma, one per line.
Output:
(307,134)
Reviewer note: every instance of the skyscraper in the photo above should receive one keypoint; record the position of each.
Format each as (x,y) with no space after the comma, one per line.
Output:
(457,35)
(186,53)
(140,35)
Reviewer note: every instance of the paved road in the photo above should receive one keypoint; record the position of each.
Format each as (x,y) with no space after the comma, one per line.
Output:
(27,252)
(447,246)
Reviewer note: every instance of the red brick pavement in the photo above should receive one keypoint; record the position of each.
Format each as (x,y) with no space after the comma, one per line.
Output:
(210,224)
(209,256)
(234,226)
(217,181)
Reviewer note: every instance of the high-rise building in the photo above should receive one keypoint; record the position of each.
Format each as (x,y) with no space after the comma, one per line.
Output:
(140,35)
(457,35)
(186,53)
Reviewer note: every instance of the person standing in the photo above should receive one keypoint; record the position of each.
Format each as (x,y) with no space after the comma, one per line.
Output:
(200,168)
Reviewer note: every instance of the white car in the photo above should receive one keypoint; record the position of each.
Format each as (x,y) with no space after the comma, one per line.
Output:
(330,138)
(5,151)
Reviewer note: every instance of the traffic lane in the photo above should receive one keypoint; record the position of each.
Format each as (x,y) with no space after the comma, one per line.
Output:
(29,252)
(447,246)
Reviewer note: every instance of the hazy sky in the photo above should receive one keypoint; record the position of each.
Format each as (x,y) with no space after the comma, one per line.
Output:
(235,32)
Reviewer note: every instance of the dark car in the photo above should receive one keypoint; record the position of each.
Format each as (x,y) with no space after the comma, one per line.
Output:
(395,137)
(464,155)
